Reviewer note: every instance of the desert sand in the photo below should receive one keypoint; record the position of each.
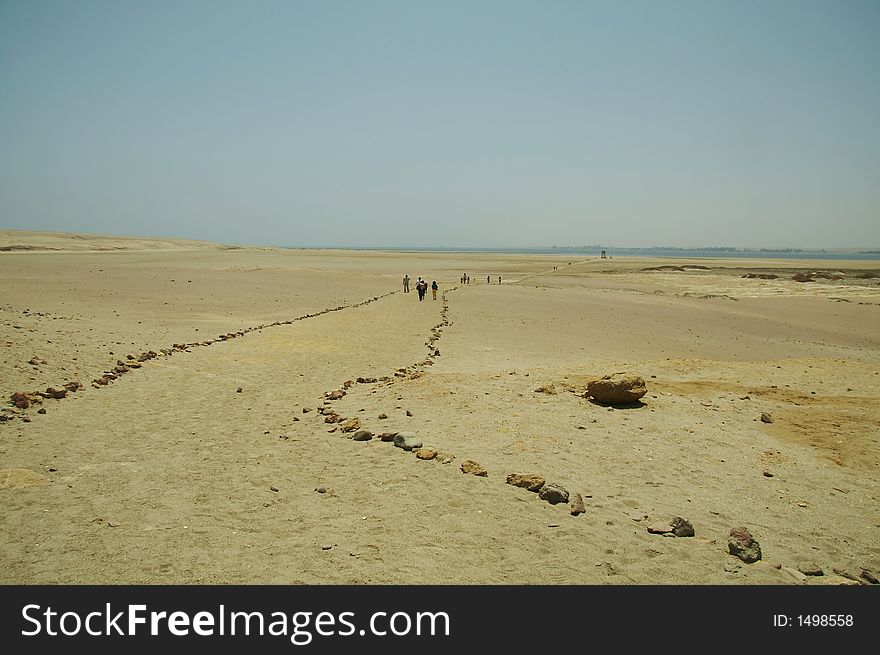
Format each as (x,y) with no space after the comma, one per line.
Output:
(211,462)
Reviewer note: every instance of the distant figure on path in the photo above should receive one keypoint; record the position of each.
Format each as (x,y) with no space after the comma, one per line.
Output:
(499,279)
(434,289)
(467,278)
(406,283)
(488,279)
(421,287)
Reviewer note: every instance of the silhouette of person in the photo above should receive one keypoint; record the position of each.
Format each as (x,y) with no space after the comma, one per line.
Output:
(406,283)
(434,288)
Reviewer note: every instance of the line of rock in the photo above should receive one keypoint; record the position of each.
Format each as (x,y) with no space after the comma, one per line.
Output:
(22,400)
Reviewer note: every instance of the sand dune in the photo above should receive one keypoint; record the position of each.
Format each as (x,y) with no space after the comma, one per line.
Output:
(203,465)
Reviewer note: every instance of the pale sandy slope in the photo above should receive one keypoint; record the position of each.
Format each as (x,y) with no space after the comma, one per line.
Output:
(167,474)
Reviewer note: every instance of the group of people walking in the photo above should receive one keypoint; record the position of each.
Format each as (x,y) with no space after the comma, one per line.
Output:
(421,287)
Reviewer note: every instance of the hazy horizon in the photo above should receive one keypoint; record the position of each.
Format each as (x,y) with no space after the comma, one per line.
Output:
(482,124)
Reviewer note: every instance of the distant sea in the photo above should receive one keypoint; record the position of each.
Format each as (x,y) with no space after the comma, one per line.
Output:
(679,253)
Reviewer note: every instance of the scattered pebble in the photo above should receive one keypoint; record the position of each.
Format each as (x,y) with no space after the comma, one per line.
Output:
(743,545)
(526,481)
(426,453)
(470,466)
(407,440)
(553,493)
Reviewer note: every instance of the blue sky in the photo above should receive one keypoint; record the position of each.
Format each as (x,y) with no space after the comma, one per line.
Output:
(480,123)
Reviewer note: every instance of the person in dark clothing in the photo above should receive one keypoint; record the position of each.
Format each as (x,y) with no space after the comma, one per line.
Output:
(434,288)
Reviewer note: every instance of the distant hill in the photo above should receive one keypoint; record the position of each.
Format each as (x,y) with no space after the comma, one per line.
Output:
(28,241)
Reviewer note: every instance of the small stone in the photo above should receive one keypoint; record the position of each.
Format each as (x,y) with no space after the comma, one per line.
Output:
(426,453)
(865,574)
(470,466)
(334,395)
(275,489)
(810,568)
(553,493)
(362,435)
(548,389)
(351,425)
(408,413)
(577,505)
(741,544)
(732,567)
(768,474)
(321,490)
(326,546)
(617,389)
(766,418)
(306,410)
(682,527)
(660,528)
(387,436)
(42,410)
(407,440)
(238,390)
(383,416)
(526,481)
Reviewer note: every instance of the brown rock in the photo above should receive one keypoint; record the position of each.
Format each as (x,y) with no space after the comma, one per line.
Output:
(660,528)
(351,425)
(334,395)
(470,466)
(577,505)
(741,544)
(766,418)
(549,389)
(426,453)
(387,436)
(20,400)
(331,418)
(616,389)
(526,481)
